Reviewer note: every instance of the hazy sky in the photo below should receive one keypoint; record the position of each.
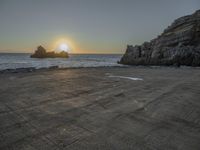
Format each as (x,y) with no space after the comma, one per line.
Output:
(88,26)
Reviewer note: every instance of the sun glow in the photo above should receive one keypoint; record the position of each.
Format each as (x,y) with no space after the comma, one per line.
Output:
(64,44)
(64,47)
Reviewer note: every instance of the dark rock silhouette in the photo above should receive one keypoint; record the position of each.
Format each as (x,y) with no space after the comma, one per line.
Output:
(179,44)
(42,53)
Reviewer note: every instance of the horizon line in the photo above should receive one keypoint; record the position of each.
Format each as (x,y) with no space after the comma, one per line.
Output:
(69,53)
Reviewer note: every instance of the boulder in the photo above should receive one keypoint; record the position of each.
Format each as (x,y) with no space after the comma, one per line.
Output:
(39,53)
(179,44)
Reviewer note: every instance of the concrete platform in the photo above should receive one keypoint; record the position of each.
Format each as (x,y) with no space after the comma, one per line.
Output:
(95,109)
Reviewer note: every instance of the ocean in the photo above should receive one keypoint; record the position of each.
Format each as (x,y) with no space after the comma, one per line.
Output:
(18,60)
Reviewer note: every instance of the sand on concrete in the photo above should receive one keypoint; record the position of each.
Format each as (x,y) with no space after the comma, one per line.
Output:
(88,110)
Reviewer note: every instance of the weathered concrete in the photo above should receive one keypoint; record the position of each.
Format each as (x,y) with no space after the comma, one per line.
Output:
(85,109)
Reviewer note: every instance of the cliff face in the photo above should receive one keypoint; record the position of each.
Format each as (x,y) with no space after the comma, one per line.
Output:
(179,44)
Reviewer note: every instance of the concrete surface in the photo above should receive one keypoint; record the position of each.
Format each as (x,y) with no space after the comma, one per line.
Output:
(88,110)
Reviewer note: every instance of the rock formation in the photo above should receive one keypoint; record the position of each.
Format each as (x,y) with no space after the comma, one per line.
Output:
(179,44)
(42,53)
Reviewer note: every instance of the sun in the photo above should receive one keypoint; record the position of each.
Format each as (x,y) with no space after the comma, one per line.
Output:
(63,44)
(64,47)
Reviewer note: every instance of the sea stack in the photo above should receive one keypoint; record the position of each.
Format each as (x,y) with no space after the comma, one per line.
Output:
(42,53)
(179,44)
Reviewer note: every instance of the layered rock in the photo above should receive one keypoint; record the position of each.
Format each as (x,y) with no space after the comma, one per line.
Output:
(179,44)
(42,53)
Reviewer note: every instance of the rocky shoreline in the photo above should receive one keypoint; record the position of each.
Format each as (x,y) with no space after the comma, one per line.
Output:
(179,44)
(25,70)
(33,69)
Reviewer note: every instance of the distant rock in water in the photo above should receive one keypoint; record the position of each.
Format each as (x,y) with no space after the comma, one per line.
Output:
(42,53)
(179,44)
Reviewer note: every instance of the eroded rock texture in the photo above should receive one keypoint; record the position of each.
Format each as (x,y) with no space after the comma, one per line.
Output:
(179,44)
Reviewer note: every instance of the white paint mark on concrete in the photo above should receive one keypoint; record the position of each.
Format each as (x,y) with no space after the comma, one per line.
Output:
(123,77)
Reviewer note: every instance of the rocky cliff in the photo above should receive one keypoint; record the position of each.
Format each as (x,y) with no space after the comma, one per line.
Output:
(179,44)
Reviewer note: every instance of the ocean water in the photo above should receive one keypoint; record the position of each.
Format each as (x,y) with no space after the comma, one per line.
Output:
(13,61)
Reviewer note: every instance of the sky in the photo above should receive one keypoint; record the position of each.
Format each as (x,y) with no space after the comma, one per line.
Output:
(86,26)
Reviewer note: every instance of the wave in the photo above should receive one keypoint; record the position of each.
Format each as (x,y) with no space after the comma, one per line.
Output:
(14,61)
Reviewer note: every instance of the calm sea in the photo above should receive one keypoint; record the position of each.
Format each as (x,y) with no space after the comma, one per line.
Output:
(13,61)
